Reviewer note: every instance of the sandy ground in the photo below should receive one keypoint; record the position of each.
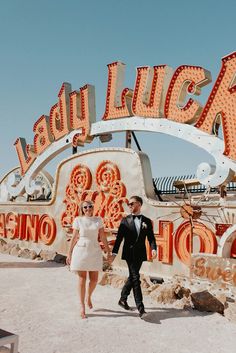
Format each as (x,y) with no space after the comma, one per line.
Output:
(39,302)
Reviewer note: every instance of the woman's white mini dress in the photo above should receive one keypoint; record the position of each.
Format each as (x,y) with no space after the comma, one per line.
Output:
(87,253)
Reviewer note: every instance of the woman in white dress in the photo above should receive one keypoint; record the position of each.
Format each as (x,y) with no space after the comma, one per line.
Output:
(85,254)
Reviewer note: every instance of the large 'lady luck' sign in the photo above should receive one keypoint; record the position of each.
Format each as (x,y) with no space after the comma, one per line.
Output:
(163,100)
(159,94)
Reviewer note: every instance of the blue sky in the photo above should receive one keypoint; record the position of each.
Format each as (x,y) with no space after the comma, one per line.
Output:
(47,42)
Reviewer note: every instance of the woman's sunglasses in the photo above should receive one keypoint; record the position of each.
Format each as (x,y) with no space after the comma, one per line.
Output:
(89,206)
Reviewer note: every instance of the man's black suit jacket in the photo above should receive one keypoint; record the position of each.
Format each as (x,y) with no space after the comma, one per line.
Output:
(134,243)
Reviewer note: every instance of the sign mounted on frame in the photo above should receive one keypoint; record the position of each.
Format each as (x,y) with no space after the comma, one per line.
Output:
(163,100)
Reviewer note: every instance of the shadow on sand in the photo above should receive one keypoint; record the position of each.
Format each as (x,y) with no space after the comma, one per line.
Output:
(111,313)
(22,264)
(154,315)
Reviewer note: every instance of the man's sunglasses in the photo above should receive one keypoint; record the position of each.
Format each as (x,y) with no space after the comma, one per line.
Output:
(89,206)
(131,203)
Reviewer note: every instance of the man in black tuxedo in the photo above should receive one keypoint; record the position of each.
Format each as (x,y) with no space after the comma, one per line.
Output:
(134,229)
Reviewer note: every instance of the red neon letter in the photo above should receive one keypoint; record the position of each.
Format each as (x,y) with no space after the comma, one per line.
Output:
(208,242)
(59,114)
(25,153)
(186,79)
(47,229)
(118,104)
(150,91)
(164,242)
(82,113)
(43,137)
(222,104)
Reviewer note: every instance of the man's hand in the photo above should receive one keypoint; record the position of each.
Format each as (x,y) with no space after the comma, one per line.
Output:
(154,254)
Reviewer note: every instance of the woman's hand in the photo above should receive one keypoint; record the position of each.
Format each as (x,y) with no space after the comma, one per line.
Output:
(109,258)
(68,260)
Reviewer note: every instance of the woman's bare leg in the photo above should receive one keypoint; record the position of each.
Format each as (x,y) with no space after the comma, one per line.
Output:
(93,280)
(82,290)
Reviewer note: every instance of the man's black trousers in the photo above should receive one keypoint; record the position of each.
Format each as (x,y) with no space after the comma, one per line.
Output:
(133,282)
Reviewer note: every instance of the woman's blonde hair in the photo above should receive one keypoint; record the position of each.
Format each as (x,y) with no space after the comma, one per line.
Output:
(82,205)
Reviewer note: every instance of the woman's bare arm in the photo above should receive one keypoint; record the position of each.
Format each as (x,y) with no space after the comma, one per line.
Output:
(74,240)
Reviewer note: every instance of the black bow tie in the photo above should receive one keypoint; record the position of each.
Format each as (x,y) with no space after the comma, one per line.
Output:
(138,216)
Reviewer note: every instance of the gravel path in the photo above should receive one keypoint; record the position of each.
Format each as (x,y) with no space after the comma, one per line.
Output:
(38,301)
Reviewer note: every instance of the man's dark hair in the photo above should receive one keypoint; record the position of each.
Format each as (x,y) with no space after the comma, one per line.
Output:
(137,198)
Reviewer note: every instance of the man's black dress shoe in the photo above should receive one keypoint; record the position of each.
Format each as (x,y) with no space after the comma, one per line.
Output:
(124,305)
(142,314)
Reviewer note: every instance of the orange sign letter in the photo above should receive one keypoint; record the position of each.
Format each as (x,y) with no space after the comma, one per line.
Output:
(25,153)
(59,114)
(82,113)
(186,79)
(118,104)
(150,90)
(222,104)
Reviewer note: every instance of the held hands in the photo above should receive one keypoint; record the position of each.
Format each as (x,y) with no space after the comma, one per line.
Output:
(68,260)
(110,258)
(113,256)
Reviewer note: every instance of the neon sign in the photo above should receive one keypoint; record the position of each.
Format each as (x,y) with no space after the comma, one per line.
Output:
(158,93)
(29,227)
(163,100)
